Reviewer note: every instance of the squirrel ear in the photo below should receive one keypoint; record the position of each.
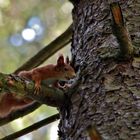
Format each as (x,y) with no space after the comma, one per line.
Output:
(67,60)
(60,60)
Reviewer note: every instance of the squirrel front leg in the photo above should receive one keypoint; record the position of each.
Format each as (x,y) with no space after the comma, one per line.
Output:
(32,75)
(37,79)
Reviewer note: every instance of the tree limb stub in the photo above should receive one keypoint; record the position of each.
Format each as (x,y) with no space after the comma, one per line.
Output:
(22,87)
(121,32)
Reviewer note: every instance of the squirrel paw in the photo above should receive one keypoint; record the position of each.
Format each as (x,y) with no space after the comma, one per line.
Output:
(64,87)
(37,90)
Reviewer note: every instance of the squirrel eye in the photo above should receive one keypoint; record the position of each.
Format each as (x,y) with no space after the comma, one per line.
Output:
(66,69)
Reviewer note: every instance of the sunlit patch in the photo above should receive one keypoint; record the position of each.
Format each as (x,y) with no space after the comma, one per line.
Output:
(53,131)
(4,3)
(27,137)
(28,34)
(66,7)
(20,122)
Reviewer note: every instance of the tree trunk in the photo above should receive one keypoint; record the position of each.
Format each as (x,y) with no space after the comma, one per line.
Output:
(108,95)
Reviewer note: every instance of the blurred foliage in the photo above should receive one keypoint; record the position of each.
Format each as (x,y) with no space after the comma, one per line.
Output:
(54,16)
(14,16)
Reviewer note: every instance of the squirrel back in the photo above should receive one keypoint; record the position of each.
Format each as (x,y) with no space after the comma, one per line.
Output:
(25,74)
(61,71)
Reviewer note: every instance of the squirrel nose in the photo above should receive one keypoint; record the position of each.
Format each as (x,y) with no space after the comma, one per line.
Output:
(73,75)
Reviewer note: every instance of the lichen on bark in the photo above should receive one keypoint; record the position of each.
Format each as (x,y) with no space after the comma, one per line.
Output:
(24,87)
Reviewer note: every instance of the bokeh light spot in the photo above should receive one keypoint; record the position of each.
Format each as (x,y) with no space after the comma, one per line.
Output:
(28,34)
(16,40)
(36,24)
(34,20)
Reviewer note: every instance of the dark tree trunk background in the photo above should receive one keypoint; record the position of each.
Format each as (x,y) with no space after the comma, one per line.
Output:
(108,96)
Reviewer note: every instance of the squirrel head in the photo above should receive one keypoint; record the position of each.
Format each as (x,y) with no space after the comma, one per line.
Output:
(65,69)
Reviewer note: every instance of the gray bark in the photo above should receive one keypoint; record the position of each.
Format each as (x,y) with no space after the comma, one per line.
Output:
(108,96)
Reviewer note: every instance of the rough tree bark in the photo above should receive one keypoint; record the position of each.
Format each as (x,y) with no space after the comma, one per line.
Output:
(108,95)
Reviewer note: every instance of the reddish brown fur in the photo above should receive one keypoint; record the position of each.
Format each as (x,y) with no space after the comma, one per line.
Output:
(9,103)
(60,71)
(93,133)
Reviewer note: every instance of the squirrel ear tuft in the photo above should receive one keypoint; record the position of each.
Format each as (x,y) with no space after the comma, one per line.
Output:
(60,60)
(67,60)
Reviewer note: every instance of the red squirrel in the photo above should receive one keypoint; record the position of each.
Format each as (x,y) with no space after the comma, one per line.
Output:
(61,71)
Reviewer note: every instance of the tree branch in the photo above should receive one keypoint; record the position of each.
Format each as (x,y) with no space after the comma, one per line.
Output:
(32,127)
(48,51)
(17,85)
(121,32)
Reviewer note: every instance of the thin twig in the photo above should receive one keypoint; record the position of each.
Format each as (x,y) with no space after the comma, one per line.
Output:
(32,127)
